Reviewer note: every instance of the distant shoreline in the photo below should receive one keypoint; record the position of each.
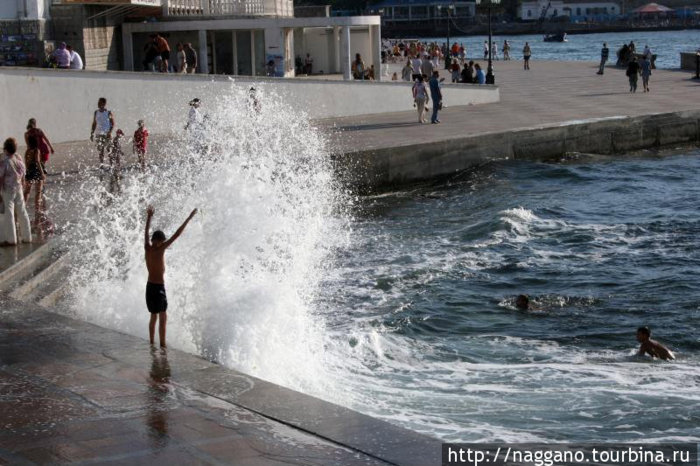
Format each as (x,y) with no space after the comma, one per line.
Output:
(518,29)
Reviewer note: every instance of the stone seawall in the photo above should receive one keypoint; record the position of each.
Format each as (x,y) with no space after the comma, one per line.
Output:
(63,101)
(388,167)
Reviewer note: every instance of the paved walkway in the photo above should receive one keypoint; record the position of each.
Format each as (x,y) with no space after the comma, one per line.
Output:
(550,93)
(72,392)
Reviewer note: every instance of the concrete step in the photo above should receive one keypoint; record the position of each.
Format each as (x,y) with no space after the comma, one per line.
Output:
(57,293)
(37,277)
(24,268)
(47,280)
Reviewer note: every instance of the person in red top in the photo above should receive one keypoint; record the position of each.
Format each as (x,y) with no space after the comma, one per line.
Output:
(141,143)
(163,49)
(45,147)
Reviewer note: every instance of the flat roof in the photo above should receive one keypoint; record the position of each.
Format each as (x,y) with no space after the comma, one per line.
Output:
(257,22)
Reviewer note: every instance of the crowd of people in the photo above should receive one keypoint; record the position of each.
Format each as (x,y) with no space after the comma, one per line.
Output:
(24,177)
(157,56)
(636,64)
(19,178)
(395,51)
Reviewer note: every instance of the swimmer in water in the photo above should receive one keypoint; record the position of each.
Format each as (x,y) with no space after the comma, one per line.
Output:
(522,302)
(652,347)
(156,301)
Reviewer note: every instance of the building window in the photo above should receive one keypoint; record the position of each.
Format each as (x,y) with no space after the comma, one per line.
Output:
(588,11)
(578,11)
(556,13)
(529,13)
(419,12)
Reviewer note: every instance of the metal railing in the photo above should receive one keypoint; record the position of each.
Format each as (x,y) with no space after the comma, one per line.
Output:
(213,7)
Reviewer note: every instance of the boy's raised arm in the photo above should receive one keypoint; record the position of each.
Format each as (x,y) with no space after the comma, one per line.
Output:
(179,231)
(149,215)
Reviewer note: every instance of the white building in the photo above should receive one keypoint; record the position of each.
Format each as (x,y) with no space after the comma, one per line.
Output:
(575,10)
(24,9)
(236,37)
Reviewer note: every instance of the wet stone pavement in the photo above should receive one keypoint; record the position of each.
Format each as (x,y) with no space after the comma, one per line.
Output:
(72,392)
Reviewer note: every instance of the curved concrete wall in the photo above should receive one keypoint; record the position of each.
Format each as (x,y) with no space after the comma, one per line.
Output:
(63,101)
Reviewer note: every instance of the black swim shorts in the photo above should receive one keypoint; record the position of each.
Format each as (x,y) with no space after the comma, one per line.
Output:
(156,301)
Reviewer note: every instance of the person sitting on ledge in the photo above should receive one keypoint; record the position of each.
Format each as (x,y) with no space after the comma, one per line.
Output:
(652,347)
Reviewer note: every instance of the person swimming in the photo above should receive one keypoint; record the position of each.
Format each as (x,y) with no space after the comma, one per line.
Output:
(652,347)
(522,302)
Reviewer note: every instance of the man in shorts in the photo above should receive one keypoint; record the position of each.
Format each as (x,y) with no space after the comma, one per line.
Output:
(102,126)
(163,49)
(156,300)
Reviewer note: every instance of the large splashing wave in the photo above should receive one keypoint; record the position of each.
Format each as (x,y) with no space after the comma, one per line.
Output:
(242,278)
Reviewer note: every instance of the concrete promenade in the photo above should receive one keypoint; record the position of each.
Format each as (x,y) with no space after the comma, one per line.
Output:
(551,93)
(554,108)
(72,392)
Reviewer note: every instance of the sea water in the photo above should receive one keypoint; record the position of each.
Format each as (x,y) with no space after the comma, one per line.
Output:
(400,305)
(667,45)
(429,336)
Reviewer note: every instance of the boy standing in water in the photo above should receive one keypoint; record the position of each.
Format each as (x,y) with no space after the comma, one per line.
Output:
(652,347)
(156,300)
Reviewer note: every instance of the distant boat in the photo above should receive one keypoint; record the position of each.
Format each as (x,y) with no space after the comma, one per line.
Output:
(558,37)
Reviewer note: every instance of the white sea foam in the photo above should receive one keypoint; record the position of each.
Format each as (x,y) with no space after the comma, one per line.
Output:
(242,277)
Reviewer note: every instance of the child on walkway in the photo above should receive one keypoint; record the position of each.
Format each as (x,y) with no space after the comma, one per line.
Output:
(156,300)
(141,144)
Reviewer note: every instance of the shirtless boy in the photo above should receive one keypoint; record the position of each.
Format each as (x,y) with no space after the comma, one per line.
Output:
(651,347)
(156,301)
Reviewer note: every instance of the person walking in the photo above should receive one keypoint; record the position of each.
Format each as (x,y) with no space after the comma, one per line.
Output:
(506,50)
(633,73)
(436,95)
(527,53)
(645,72)
(76,62)
(34,176)
(494,50)
(604,54)
(486,50)
(45,147)
(12,172)
(191,57)
(102,126)
(420,98)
